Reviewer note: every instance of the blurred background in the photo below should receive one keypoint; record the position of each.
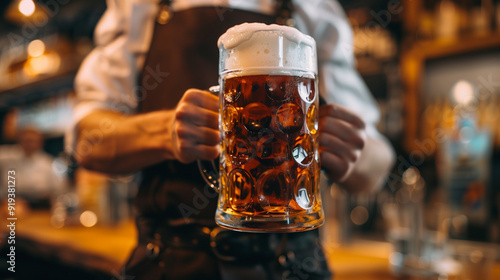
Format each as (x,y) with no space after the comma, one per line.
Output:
(433,67)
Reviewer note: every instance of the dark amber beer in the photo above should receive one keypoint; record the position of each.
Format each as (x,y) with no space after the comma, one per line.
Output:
(269,163)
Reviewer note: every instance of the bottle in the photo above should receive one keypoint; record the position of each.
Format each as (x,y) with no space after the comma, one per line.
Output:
(465,167)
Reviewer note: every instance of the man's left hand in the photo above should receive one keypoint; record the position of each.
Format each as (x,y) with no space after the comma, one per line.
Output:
(342,137)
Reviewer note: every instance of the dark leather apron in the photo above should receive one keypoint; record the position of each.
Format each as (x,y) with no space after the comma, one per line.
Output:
(175,207)
(185,51)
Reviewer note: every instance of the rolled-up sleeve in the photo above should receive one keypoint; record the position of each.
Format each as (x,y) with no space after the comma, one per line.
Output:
(107,78)
(339,82)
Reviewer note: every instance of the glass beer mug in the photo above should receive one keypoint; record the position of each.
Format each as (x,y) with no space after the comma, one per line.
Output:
(269,165)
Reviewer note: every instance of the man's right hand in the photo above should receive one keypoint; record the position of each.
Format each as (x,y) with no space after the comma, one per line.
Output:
(115,143)
(195,127)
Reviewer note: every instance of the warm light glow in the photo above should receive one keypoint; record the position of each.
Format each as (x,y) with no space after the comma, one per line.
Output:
(26,7)
(476,256)
(58,216)
(36,48)
(44,64)
(463,92)
(411,176)
(88,219)
(359,215)
(459,223)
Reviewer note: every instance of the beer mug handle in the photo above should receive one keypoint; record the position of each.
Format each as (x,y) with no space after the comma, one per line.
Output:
(210,174)
(208,171)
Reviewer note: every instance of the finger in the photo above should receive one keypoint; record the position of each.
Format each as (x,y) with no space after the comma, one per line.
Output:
(341,112)
(200,152)
(338,169)
(192,114)
(336,146)
(205,152)
(198,135)
(342,130)
(202,98)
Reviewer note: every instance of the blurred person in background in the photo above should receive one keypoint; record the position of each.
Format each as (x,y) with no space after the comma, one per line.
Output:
(36,182)
(141,108)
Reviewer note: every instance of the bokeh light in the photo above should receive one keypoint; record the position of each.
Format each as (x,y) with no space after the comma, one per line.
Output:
(26,7)
(45,64)
(36,48)
(359,215)
(88,219)
(463,92)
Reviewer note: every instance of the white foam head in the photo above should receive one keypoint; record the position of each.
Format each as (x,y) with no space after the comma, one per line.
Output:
(257,48)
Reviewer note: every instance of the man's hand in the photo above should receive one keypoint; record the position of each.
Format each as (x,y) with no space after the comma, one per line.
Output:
(115,143)
(195,127)
(342,137)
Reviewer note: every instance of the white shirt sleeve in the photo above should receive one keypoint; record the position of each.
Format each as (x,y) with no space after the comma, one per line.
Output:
(107,78)
(339,82)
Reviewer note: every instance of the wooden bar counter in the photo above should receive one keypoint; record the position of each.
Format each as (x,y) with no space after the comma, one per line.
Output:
(104,249)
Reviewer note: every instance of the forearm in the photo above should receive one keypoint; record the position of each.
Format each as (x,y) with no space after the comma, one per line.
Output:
(114,143)
(370,171)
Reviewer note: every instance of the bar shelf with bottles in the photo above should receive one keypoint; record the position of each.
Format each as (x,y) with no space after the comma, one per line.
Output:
(449,65)
(439,32)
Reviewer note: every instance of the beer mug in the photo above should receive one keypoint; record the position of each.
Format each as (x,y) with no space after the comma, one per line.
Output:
(269,167)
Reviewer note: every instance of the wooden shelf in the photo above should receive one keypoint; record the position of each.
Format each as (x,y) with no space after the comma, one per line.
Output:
(413,61)
(36,91)
(438,48)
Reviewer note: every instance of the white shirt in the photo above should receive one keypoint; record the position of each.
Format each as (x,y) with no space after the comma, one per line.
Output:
(107,78)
